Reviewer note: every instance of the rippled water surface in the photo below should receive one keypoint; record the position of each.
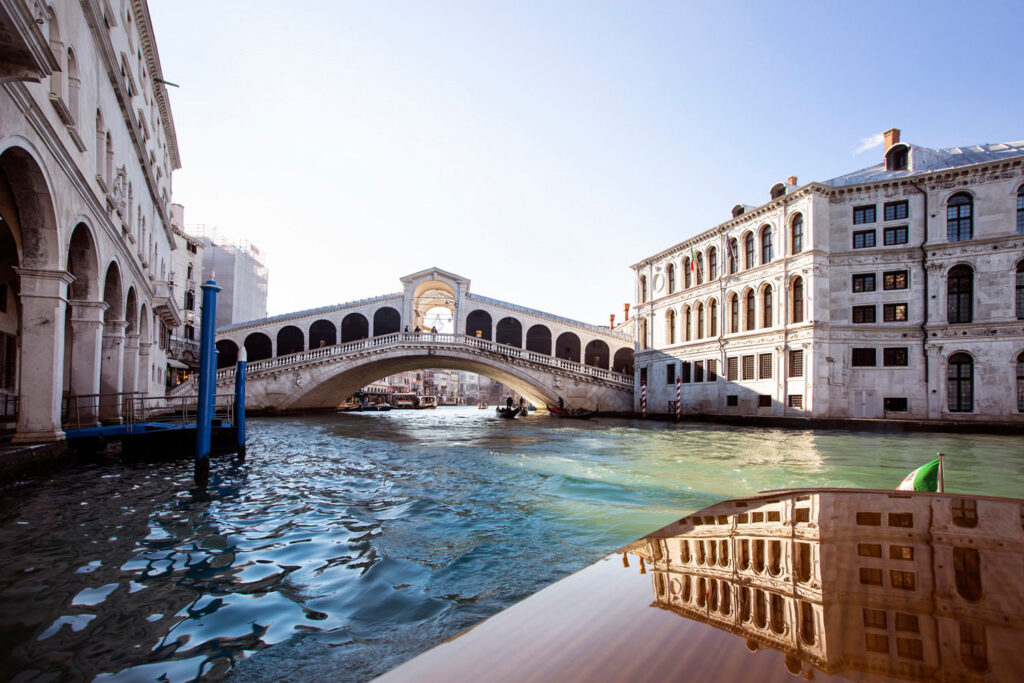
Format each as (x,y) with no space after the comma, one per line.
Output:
(346,544)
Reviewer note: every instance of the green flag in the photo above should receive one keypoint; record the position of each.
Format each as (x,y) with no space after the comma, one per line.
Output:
(924,478)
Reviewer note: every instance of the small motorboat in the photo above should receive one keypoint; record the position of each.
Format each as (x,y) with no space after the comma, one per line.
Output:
(482,405)
(348,407)
(573,413)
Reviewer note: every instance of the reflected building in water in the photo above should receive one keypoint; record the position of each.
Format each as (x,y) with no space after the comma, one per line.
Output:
(866,584)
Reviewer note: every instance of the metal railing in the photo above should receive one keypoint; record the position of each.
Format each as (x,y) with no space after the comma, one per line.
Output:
(428,339)
(81,411)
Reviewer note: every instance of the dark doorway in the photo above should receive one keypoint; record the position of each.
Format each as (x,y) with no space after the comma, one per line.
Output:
(538,339)
(597,354)
(322,333)
(290,340)
(353,327)
(624,361)
(386,321)
(568,347)
(509,331)
(478,324)
(257,347)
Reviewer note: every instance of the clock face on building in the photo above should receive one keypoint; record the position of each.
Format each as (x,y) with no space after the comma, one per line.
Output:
(659,282)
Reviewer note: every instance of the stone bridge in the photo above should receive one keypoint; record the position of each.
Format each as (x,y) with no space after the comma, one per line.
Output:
(316,358)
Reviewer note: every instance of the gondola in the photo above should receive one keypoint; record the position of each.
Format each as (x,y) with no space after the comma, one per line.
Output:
(508,413)
(573,413)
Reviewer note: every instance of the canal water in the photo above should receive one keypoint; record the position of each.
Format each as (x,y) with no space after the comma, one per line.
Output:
(346,544)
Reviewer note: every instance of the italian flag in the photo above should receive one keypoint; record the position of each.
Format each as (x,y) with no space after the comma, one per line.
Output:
(925,478)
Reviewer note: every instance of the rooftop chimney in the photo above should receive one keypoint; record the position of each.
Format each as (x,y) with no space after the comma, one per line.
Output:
(611,322)
(626,316)
(892,136)
(791,180)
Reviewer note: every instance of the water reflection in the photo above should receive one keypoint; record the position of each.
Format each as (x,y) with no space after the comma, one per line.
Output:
(888,584)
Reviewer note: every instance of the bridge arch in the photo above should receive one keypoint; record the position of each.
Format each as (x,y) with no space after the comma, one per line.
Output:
(386,320)
(354,326)
(478,324)
(290,340)
(624,361)
(568,347)
(597,354)
(322,333)
(227,354)
(258,347)
(509,331)
(538,339)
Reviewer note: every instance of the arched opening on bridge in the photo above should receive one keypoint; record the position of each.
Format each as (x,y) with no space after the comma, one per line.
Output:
(509,331)
(538,339)
(257,347)
(478,324)
(429,296)
(440,319)
(568,347)
(227,354)
(322,333)
(386,320)
(290,340)
(354,326)
(597,354)
(623,361)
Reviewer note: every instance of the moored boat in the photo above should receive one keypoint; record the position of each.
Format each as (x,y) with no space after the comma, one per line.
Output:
(574,413)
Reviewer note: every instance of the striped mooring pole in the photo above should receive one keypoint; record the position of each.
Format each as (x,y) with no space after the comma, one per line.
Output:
(679,394)
(643,400)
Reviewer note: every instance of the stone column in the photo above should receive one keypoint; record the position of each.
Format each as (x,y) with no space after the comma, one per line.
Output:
(41,366)
(87,340)
(142,376)
(111,366)
(131,364)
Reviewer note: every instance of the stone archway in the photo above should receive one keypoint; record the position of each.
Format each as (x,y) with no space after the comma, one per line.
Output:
(112,355)
(354,326)
(290,340)
(430,298)
(227,354)
(568,347)
(509,331)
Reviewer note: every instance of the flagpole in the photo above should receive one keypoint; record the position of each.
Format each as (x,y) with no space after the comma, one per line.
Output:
(941,474)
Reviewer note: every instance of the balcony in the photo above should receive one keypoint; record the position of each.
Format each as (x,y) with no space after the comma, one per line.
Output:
(164,304)
(184,350)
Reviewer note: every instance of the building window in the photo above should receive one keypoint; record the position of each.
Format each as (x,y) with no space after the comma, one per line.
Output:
(1020,383)
(863,358)
(698,371)
(965,512)
(700,268)
(713,318)
(732,368)
(684,372)
(734,313)
(670,326)
(894,313)
(670,373)
(863,239)
(798,300)
(643,289)
(764,401)
(797,232)
(871,576)
(902,519)
(972,646)
(687,268)
(894,405)
(796,401)
(910,648)
(869,519)
(901,552)
(712,370)
(750,310)
(748,367)
(764,366)
(732,400)
(686,323)
(869,550)
(190,332)
(864,282)
(863,214)
(895,211)
(907,622)
(1019,298)
(960,383)
(897,235)
(700,320)
(895,356)
(863,314)
(766,317)
(959,220)
(967,566)
(894,279)
(8,361)
(670,272)
(875,618)
(807,622)
(712,264)
(1020,210)
(766,245)
(732,250)
(796,363)
(748,247)
(959,294)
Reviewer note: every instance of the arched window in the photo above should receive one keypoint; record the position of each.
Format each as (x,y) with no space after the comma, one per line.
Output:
(734,314)
(700,320)
(713,318)
(959,286)
(960,383)
(686,323)
(700,268)
(712,264)
(1020,383)
(670,326)
(732,253)
(189,275)
(687,265)
(967,569)
(748,249)
(1020,210)
(643,288)
(959,221)
(798,300)
(797,233)
(766,300)
(670,272)
(1020,291)
(766,245)
(750,310)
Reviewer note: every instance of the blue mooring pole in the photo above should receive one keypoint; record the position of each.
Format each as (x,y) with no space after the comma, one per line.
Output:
(240,403)
(207,382)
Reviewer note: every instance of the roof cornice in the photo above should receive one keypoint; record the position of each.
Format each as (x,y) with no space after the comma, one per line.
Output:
(156,73)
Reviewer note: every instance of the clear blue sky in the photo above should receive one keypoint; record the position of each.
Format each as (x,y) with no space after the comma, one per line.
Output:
(541,148)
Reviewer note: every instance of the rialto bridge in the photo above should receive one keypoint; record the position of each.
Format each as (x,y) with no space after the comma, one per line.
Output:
(314,358)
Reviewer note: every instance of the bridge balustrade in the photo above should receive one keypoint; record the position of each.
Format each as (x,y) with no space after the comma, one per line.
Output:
(428,338)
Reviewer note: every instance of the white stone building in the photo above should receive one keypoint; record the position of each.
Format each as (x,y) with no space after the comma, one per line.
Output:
(893,292)
(186,271)
(87,148)
(241,273)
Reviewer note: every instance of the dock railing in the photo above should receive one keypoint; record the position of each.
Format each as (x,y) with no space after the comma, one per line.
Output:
(81,411)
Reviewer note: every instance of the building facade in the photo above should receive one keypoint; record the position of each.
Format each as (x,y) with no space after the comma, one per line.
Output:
(87,148)
(240,272)
(186,271)
(892,292)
